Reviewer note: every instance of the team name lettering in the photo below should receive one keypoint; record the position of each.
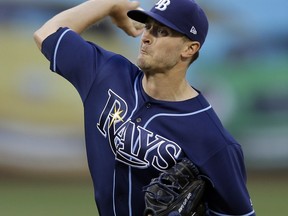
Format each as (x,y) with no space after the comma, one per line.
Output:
(134,145)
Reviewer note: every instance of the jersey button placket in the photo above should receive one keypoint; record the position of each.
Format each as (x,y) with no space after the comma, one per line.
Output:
(148,105)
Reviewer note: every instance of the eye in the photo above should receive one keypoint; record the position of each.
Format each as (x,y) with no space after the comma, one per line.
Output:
(148,26)
(163,32)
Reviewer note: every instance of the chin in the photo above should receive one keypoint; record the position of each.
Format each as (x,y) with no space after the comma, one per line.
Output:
(143,63)
(140,63)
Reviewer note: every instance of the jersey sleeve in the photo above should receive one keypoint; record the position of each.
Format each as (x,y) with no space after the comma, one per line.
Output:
(228,194)
(74,58)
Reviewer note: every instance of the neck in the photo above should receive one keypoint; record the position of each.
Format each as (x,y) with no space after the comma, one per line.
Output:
(161,86)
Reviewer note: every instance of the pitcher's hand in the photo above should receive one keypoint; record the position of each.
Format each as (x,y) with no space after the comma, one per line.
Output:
(119,17)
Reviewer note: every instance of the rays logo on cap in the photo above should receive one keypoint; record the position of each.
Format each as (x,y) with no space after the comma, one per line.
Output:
(162,5)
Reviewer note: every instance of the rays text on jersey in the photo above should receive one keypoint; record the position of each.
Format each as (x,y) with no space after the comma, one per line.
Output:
(131,144)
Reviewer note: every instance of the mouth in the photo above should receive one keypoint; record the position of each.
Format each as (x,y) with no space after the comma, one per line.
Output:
(143,52)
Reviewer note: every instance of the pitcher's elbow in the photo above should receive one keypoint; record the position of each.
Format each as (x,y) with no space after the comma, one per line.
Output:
(38,39)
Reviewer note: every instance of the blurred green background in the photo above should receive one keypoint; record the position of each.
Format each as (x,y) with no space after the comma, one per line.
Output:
(243,71)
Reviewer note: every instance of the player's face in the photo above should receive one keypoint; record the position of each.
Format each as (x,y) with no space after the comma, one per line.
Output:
(160,48)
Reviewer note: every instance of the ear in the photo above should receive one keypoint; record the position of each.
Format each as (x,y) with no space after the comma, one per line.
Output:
(190,48)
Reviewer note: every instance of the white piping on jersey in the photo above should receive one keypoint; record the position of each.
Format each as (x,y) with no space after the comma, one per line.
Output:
(220,214)
(130,191)
(173,115)
(56,48)
(179,115)
(136,96)
(114,180)
(130,172)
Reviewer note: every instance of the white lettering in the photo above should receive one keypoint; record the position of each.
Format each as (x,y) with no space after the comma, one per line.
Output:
(184,202)
(162,5)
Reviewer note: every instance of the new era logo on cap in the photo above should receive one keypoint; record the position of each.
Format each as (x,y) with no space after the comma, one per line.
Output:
(184,16)
(193,30)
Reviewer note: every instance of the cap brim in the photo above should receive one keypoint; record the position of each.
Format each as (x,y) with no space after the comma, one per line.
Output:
(142,16)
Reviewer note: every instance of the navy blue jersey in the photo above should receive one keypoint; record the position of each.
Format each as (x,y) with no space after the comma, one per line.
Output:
(131,137)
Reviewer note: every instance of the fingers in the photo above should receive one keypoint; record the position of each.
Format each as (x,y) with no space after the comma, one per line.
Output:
(136,28)
(134,5)
(136,33)
(120,18)
(133,31)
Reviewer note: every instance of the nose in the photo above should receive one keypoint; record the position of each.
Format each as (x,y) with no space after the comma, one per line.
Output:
(146,37)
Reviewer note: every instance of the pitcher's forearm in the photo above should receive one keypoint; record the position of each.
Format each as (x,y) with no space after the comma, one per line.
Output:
(77,18)
(82,16)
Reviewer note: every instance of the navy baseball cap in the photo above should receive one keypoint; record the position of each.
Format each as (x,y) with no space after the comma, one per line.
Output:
(184,16)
